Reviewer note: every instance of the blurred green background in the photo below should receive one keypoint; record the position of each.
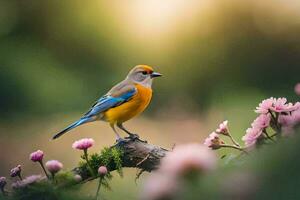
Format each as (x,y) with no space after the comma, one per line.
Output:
(219,59)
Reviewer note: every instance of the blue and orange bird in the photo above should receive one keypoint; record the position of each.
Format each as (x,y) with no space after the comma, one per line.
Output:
(123,102)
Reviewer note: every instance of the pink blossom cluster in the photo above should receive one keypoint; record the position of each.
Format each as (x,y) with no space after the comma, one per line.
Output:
(276,113)
(213,141)
(278,105)
(255,133)
(183,160)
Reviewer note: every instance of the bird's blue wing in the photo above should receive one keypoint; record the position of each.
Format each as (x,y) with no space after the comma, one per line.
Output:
(118,95)
(106,102)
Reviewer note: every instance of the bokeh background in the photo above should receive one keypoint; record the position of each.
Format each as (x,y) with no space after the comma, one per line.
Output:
(219,59)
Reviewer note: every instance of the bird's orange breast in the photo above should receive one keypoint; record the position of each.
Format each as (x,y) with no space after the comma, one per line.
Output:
(130,109)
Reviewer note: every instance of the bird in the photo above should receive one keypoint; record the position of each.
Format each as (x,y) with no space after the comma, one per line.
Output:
(122,102)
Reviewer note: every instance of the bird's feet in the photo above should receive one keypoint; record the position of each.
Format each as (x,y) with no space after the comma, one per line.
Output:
(133,136)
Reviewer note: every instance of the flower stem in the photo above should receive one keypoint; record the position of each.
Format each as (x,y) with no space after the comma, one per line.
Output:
(20,177)
(53,175)
(98,189)
(232,140)
(86,156)
(275,121)
(234,147)
(42,165)
(54,181)
(268,136)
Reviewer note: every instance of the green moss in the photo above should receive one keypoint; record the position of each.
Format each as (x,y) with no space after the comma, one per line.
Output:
(109,157)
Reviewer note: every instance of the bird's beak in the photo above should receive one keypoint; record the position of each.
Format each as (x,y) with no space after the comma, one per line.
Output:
(155,74)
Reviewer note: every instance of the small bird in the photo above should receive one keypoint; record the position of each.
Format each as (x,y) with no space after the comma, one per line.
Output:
(124,101)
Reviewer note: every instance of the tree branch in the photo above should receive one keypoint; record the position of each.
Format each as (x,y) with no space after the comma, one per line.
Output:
(136,154)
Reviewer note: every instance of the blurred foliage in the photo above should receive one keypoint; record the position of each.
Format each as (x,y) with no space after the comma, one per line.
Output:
(271,172)
(61,56)
(46,191)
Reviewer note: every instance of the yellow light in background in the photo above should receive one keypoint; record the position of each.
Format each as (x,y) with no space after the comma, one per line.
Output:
(157,19)
(155,16)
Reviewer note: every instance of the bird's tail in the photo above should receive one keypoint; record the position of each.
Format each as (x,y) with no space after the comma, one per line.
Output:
(74,125)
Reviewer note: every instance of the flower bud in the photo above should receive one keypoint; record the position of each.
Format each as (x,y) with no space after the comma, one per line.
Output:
(54,166)
(213,141)
(223,128)
(102,171)
(16,171)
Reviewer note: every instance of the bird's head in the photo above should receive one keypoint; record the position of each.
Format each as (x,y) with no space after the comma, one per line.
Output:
(143,74)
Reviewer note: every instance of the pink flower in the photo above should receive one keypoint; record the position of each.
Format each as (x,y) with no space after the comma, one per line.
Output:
(83,144)
(213,141)
(54,166)
(37,156)
(289,121)
(291,118)
(28,181)
(16,171)
(265,106)
(280,105)
(297,89)
(223,128)
(102,171)
(286,120)
(187,158)
(159,186)
(277,105)
(262,121)
(251,137)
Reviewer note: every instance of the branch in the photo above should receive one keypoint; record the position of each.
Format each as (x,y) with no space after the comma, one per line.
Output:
(136,153)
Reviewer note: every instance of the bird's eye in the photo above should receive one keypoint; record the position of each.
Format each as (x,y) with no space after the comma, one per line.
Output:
(144,72)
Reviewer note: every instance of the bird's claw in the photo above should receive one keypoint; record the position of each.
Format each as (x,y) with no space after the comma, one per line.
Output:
(134,136)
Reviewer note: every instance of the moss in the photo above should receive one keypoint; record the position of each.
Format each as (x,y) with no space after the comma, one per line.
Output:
(109,157)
